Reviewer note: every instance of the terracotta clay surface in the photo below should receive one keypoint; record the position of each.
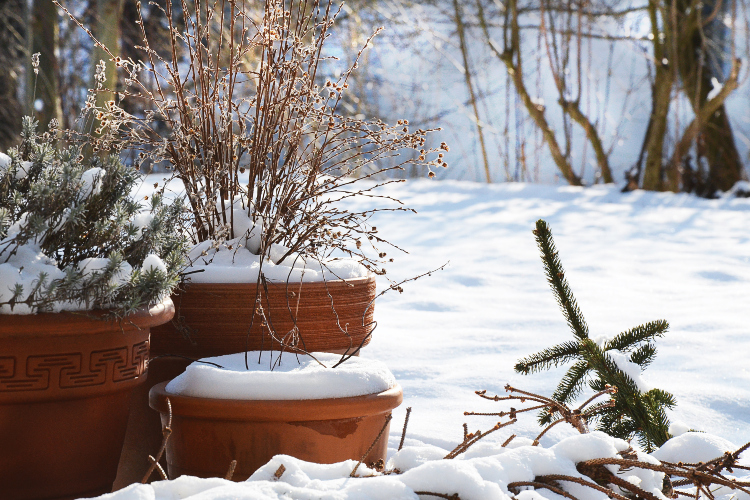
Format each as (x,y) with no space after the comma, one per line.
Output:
(207,434)
(65,383)
(217,317)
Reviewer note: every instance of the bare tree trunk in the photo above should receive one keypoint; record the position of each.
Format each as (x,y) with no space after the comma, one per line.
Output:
(661,91)
(703,117)
(108,32)
(470,86)
(43,93)
(572,107)
(511,56)
(602,160)
(714,132)
(12,37)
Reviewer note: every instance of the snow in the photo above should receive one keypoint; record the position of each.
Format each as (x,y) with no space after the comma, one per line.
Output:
(91,182)
(24,268)
(233,263)
(693,447)
(484,476)
(94,265)
(632,370)
(142,220)
(236,260)
(4,163)
(677,428)
(153,261)
(23,169)
(629,258)
(293,377)
(740,189)
(715,88)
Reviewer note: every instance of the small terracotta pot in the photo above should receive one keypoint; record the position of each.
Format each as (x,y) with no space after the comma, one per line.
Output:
(214,319)
(207,434)
(65,384)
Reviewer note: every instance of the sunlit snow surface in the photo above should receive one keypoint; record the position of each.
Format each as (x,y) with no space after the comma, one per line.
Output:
(282,376)
(629,258)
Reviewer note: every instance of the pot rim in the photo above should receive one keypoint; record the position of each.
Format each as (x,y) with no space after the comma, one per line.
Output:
(294,283)
(300,410)
(67,322)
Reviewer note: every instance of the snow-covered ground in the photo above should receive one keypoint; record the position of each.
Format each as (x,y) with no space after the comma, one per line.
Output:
(629,258)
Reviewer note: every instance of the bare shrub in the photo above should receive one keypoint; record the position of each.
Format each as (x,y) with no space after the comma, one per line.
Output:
(241,94)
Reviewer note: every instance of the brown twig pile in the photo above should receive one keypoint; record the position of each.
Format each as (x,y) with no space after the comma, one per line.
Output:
(695,480)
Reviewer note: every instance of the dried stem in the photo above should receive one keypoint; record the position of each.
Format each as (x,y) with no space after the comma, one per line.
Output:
(230,472)
(470,439)
(439,495)
(538,484)
(377,438)
(166,432)
(403,431)
(279,472)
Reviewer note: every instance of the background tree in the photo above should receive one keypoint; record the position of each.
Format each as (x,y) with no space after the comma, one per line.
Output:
(42,86)
(12,39)
(700,51)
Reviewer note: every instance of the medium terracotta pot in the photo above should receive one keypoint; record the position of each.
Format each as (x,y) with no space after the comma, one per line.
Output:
(214,319)
(65,384)
(207,434)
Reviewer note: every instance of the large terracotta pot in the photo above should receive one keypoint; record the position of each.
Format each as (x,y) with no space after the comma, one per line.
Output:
(207,434)
(65,384)
(214,319)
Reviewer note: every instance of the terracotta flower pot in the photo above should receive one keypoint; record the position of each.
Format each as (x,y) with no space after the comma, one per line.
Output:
(216,317)
(65,384)
(213,319)
(207,434)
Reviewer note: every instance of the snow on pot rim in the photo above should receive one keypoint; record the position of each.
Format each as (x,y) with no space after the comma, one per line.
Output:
(296,377)
(232,262)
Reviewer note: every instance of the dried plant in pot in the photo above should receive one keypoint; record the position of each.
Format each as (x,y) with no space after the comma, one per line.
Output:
(85,272)
(240,114)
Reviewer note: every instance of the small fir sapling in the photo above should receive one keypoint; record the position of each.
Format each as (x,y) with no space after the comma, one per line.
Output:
(96,246)
(615,362)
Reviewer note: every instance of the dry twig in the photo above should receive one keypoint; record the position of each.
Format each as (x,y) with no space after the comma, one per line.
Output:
(377,438)
(166,432)
(279,472)
(230,472)
(403,431)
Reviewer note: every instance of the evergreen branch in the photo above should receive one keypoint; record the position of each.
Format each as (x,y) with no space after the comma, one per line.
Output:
(661,398)
(571,384)
(645,410)
(556,278)
(644,355)
(547,358)
(629,339)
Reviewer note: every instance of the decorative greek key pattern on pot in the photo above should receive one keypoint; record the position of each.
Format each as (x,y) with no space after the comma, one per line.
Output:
(71,370)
